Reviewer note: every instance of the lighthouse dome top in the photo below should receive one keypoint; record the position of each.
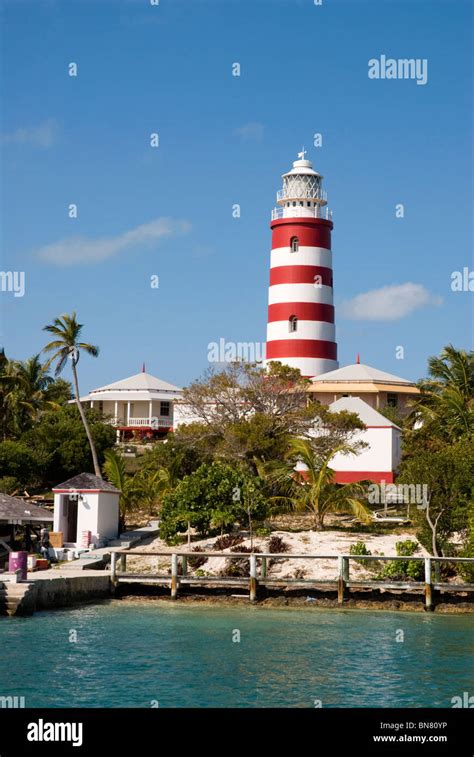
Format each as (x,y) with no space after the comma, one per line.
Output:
(302,193)
(302,167)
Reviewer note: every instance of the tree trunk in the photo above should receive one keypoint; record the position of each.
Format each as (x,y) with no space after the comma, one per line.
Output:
(95,460)
(433,527)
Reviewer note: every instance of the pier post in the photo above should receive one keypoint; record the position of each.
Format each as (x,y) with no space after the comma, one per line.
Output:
(123,563)
(264,567)
(184,564)
(174,576)
(428,585)
(437,572)
(253,578)
(113,568)
(343,576)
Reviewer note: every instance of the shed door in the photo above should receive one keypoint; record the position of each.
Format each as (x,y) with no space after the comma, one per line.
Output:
(71,530)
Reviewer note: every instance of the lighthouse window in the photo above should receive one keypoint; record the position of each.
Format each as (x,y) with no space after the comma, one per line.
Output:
(293,323)
(294,244)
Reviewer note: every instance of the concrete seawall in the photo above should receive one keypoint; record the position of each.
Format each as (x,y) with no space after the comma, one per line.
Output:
(44,592)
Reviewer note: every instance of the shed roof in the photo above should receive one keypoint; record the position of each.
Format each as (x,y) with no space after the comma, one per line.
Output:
(367,414)
(86,482)
(16,509)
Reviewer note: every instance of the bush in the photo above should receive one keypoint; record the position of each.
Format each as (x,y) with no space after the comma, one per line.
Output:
(401,570)
(359,548)
(207,499)
(196,562)
(276,545)
(407,547)
(239,568)
(229,540)
(10,485)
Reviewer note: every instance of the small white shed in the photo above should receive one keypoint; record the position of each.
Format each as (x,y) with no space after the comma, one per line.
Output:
(380,459)
(86,509)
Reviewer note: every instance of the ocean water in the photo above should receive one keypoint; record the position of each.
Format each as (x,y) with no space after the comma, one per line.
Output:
(144,654)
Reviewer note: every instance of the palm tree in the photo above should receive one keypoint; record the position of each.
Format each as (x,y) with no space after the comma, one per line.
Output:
(13,402)
(150,486)
(446,402)
(313,488)
(67,331)
(114,469)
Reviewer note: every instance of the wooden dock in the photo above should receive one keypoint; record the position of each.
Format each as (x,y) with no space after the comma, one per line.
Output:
(258,578)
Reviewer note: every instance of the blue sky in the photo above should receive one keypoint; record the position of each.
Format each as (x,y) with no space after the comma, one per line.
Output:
(224,140)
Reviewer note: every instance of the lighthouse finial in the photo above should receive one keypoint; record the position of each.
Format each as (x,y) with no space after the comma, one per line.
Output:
(302,154)
(143,368)
(358,358)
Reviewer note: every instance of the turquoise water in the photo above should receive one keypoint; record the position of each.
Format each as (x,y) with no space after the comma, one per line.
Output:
(131,654)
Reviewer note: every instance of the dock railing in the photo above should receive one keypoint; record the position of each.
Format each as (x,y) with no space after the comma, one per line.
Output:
(258,573)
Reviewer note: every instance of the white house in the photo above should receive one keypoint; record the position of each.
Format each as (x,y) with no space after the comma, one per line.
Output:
(138,405)
(377,388)
(380,459)
(86,510)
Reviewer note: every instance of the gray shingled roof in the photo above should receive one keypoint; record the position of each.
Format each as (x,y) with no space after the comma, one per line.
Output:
(85,482)
(14,508)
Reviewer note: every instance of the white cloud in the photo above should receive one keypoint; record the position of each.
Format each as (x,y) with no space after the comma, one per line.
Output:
(82,250)
(43,135)
(250,132)
(389,303)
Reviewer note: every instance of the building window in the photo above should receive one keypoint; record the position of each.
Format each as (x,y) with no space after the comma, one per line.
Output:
(292,324)
(164,408)
(101,407)
(392,400)
(294,244)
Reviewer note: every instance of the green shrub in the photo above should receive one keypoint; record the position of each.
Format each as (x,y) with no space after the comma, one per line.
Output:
(401,570)
(359,548)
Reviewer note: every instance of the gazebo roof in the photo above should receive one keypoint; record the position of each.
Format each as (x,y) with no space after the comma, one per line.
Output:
(139,381)
(16,509)
(84,482)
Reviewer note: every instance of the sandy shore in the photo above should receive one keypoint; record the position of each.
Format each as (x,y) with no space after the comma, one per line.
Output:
(311,542)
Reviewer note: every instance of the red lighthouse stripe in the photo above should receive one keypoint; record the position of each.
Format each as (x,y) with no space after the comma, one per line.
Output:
(284,348)
(304,311)
(310,233)
(300,274)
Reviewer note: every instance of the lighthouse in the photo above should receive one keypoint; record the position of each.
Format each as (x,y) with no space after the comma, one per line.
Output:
(301,331)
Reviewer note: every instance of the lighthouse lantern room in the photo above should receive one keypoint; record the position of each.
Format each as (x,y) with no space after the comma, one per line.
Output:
(301,330)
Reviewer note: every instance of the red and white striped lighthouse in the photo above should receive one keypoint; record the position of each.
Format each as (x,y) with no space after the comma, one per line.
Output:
(301,331)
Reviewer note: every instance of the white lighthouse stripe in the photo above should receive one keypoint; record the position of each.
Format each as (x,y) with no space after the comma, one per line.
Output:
(305,256)
(305,330)
(311,366)
(299,293)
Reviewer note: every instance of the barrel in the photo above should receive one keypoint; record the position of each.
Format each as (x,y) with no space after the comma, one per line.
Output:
(18,561)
